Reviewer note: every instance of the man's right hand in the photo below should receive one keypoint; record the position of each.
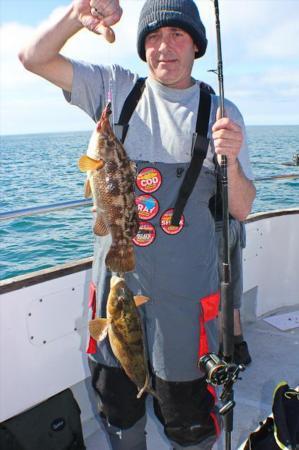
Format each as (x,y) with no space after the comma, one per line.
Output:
(42,55)
(98,16)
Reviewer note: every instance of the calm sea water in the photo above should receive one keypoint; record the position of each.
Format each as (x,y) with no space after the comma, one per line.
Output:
(42,169)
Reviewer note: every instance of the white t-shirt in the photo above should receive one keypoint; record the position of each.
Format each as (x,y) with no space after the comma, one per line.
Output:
(163,123)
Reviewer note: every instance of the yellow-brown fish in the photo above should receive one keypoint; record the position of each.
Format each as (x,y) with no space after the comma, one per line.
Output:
(110,180)
(124,329)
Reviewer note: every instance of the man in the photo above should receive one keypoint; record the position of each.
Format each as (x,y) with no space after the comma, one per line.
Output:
(176,266)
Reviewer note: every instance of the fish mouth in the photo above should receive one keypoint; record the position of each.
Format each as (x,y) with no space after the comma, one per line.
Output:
(104,119)
(108,109)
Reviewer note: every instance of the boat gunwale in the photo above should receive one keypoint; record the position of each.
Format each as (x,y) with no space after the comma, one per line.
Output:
(41,276)
(255,217)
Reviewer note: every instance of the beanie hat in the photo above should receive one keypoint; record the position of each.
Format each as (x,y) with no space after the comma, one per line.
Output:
(171,13)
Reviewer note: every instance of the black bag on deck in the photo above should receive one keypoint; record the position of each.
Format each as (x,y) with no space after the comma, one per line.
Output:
(280,431)
(52,425)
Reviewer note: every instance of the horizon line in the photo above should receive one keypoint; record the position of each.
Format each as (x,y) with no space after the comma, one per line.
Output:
(89,131)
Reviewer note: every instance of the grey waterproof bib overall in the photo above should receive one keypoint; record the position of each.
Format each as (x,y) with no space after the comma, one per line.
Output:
(176,267)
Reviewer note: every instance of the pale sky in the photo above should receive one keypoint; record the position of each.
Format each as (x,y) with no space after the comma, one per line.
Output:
(260,61)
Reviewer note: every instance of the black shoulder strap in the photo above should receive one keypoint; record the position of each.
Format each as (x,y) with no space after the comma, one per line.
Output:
(200,142)
(200,148)
(121,128)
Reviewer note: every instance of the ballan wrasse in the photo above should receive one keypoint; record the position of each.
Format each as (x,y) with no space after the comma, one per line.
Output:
(110,181)
(124,329)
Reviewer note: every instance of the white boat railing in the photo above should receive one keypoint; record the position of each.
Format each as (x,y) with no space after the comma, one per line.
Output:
(44,209)
(7,215)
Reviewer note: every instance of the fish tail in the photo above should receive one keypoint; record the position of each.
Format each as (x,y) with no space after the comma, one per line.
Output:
(154,394)
(147,388)
(151,391)
(121,258)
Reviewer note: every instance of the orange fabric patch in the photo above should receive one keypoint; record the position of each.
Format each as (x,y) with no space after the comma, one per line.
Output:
(210,306)
(92,343)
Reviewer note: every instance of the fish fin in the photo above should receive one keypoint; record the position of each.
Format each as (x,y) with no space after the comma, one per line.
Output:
(147,388)
(144,388)
(141,392)
(100,227)
(121,259)
(151,391)
(98,328)
(140,299)
(86,163)
(87,189)
(133,167)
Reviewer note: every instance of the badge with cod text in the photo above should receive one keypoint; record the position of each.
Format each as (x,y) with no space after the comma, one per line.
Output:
(148,206)
(165,223)
(146,234)
(149,180)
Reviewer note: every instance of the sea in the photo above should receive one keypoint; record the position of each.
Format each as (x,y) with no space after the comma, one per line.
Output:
(41,169)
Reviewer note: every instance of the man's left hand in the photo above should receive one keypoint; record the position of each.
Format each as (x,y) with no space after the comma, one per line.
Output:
(228,138)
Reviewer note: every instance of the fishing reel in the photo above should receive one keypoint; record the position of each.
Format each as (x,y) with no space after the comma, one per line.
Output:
(218,372)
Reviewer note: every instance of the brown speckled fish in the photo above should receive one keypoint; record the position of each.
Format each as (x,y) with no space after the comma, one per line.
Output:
(123,325)
(110,180)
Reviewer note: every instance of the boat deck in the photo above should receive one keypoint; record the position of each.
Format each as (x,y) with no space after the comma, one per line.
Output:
(274,358)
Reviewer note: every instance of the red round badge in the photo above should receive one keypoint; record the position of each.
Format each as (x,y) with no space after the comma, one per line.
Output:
(146,234)
(149,180)
(148,206)
(165,223)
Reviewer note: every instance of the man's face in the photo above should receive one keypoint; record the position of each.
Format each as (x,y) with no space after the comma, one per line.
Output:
(170,55)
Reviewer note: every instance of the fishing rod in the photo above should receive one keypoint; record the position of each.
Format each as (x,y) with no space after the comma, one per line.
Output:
(221,370)
(227,308)
(227,323)
(287,176)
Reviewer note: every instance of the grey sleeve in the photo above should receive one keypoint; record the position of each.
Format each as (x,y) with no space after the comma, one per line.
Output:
(235,115)
(91,86)
(88,88)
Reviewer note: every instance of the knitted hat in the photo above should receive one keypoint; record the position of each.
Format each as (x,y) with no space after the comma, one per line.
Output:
(171,13)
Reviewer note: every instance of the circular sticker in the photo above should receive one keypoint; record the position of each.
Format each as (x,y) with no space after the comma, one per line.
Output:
(146,234)
(165,223)
(148,206)
(149,180)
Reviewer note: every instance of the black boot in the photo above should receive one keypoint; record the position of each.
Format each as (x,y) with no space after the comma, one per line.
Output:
(241,353)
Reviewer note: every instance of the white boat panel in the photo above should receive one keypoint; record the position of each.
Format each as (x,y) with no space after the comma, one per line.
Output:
(45,310)
(271,261)
(31,373)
